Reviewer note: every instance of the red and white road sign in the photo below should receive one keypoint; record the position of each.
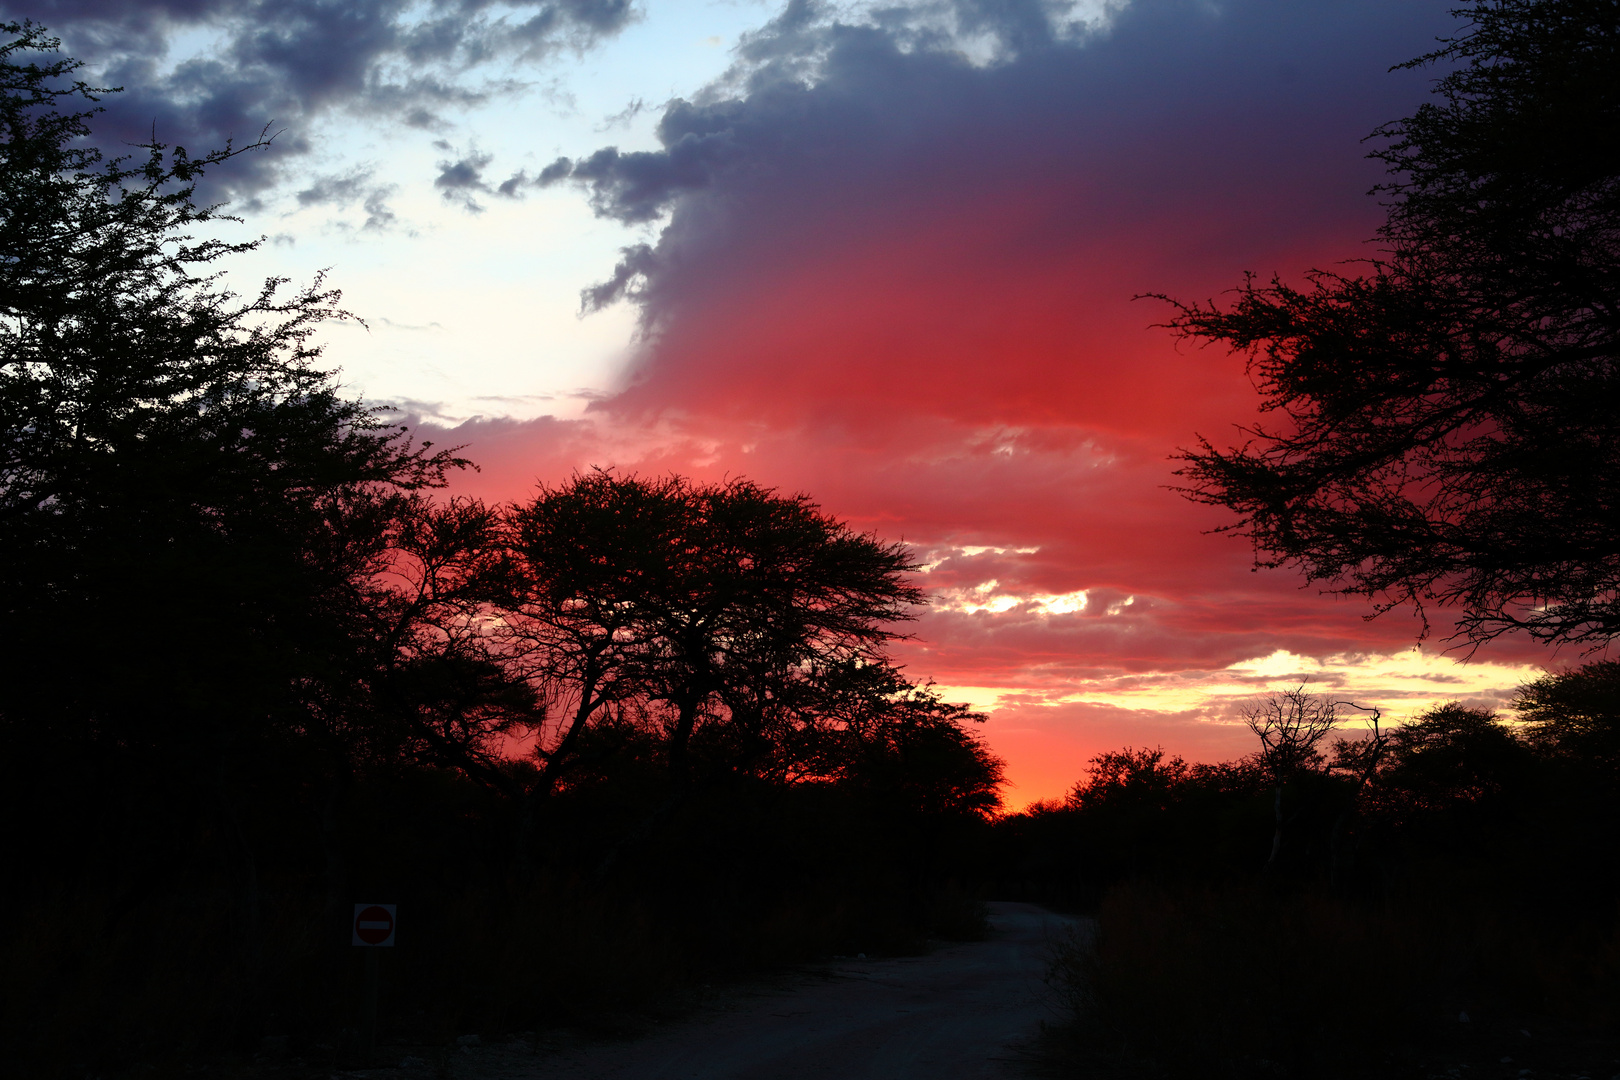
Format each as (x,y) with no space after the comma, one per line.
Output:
(374,924)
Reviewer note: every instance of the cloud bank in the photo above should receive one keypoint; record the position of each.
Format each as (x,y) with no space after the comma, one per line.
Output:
(291,62)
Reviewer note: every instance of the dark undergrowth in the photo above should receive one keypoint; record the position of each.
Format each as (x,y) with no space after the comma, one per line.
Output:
(1441,901)
(104,978)
(1254,980)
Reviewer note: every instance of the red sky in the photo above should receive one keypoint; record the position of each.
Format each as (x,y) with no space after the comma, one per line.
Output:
(904,284)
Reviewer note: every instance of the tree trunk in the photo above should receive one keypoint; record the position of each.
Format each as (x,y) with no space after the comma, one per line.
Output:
(680,767)
(249,933)
(336,917)
(680,775)
(1277,832)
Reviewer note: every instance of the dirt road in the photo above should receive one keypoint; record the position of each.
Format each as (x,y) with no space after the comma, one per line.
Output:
(963,1012)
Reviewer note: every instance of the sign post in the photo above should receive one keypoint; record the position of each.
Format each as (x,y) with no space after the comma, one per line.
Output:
(373,930)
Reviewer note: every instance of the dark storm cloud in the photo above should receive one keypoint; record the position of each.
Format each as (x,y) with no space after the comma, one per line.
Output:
(286,62)
(640,185)
(810,93)
(832,114)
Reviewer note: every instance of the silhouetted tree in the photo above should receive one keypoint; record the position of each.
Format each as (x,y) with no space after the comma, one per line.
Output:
(872,730)
(1575,715)
(190,511)
(587,555)
(1131,778)
(1448,420)
(442,678)
(719,603)
(1446,757)
(1289,724)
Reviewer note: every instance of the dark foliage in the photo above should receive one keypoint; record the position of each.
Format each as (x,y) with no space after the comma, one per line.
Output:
(1252,981)
(187,505)
(1445,420)
(629,736)
(1441,430)
(1576,717)
(1462,871)
(730,610)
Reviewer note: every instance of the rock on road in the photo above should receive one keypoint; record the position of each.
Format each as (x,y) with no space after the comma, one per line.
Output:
(963,1012)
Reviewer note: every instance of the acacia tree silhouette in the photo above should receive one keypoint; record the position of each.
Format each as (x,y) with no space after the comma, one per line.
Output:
(726,606)
(1448,421)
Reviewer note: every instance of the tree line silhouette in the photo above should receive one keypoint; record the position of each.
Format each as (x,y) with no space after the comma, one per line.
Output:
(1526,799)
(600,744)
(1406,901)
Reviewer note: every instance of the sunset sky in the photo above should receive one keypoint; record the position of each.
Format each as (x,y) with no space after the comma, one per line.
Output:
(883,254)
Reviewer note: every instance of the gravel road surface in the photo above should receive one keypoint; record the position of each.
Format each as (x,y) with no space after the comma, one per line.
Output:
(963,1012)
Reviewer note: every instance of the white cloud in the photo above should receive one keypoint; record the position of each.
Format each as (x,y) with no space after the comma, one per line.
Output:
(1402,684)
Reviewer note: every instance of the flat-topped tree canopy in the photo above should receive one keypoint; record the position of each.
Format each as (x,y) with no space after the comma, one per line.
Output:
(698,595)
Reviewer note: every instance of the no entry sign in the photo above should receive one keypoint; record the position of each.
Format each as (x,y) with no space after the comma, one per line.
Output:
(374,924)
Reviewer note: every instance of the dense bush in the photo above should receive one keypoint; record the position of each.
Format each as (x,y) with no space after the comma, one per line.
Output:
(1455,867)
